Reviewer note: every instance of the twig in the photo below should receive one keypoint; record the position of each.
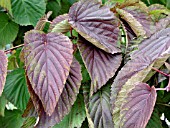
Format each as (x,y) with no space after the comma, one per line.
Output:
(11,49)
(167,75)
(167,105)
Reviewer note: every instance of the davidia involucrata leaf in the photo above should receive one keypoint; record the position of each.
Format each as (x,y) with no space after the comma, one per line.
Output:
(139,68)
(95,23)
(47,58)
(3,70)
(100,64)
(66,99)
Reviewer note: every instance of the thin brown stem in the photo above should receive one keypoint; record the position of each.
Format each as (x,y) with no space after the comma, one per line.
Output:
(13,48)
(167,75)
(167,105)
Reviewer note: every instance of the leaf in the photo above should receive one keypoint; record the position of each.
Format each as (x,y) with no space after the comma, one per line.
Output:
(16,89)
(58,20)
(159,41)
(30,109)
(29,122)
(139,20)
(98,108)
(8,30)
(66,99)
(138,106)
(163,23)
(76,117)
(167,65)
(155,121)
(3,102)
(95,23)
(28,12)
(47,58)
(62,27)
(139,68)
(12,119)
(6,4)
(3,70)
(100,64)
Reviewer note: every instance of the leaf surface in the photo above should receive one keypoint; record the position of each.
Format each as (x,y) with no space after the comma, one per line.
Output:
(76,116)
(155,121)
(12,119)
(3,70)
(139,20)
(100,64)
(58,20)
(138,106)
(8,29)
(6,4)
(16,89)
(139,68)
(47,58)
(98,108)
(95,23)
(66,99)
(3,102)
(28,12)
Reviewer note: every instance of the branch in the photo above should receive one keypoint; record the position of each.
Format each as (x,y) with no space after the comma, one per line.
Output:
(167,75)
(13,48)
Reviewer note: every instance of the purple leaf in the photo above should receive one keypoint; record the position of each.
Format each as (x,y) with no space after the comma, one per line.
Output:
(66,99)
(98,107)
(139,20)
(138,69)
(138,106)
(57,20)
(3,70)
(100,64)
(47,58)
(95,23)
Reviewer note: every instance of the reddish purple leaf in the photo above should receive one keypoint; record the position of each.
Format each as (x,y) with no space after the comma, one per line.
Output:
(34,105)
(95,23)
(100,64)
(47,58)
(142,17)
(3,70)
(57,20)
(141,59)
(66,99)
(139,105)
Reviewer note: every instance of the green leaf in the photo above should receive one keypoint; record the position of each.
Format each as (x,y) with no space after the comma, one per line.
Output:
(6,4)
(155,121)
(3,102)
(29,122)
(28,12)
(8,30)
(16,89)
(12,119)
(76,117)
